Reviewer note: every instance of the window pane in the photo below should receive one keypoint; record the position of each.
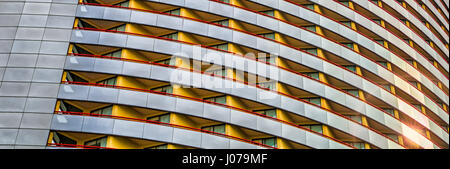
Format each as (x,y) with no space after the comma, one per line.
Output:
(219,129)
(221,100)
(317,128)
(271,113)
(270,142)
(165,118)
(312,51)
(311,28)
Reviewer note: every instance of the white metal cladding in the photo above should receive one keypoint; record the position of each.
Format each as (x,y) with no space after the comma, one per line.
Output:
(412,112)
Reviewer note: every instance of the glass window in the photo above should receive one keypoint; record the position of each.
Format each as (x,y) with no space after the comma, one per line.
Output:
(219,72)
(162,146)
(226,1)
(311,28)
(268,85)
(123,4)
(351,67)
(390,111)
(219,99)
(165,118)
(347,23)
(387,87)
(381,42)
(110,81)
(268,59)
(164,89)
(356,118)
(310,6)
(221,46)
(314,75)
(103,111)
(268,35)
(418,107)
(173,36)
(215,128)
(353,92)
(70,77)
(414,83)
(61,139)
(173,12)
(312,51)
(269,12)
(169,61)
(315,101)
(120,28)
(68,107)
(382,63)
(378,21)
(100,142)
(358,145)
(393,137)
(222,22)
(116,54)
(349,45)
(346,3)
(267,141)
(314,127)
(270,112)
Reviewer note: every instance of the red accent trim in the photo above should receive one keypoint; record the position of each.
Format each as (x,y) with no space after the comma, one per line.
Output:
(257,86)
(287,70)
(165,124)
(76,146)
(260,37)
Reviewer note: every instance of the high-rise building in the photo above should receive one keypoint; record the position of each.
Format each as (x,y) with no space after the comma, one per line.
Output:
(224,74)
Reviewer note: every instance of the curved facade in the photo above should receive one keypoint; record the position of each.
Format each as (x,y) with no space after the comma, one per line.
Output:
(224,74)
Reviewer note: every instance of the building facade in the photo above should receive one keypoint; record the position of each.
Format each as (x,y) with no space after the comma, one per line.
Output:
(224,74)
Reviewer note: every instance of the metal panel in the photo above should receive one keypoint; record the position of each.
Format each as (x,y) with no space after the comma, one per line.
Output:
(103,94)
(88,11)
(133,98)
(169,22)
(338,122)
(316,141)
(112,39)
(108,66)
(195,27)
(158,132)
(142,43)
(315,113)
(220,33)
(190,107)
(269,126)
(128,128)
(32,137)
(292,105)
(40,105)
(241,145)
(187,137)
(167,47)
(36,120)
(244,15)
(267,22)
(12,104)
(244,39)
(214,142)
(243,119)
(14,89)
(73,92)
(358,131)
(268,97)
(8,136)
(47,75)
(80,63)
(293,133)
(117,14)
(10,120)
(83,36)
(313,86)
(97,125)
(216,112)
(161,102)
(67,122)
(136,69)
(56,48)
